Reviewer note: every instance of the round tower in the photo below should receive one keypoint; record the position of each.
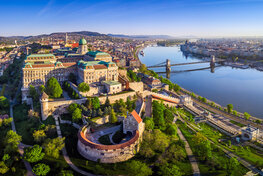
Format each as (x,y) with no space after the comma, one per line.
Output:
(83,48)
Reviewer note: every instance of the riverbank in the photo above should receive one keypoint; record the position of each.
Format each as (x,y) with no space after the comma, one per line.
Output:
(238,63)
(240,87)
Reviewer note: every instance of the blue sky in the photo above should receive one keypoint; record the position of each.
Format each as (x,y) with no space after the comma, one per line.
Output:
(204,18)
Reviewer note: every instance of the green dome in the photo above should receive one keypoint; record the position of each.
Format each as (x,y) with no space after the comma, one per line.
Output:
(82,42)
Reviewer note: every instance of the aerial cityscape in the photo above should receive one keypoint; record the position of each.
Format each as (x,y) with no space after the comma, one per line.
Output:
(136,88)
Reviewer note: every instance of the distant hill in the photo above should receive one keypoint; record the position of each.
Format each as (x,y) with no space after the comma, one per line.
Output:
(141,36)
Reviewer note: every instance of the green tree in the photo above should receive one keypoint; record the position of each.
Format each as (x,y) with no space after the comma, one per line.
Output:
(95,103)
(230,108)
(168,116)
(39,135)
(53,146)
(33,93)
(83,87)
(3,168)
(113,117)
(235,112)
(171,129)
(41,88)
(107,102)
(33,154)
(41,169)
(129,104)
(137,168)
(202,146)
(76,115)
(100,113)
(247,115)
(88,103)
(12,140)
(169,170)
(232,165)
(53,88)
(158,114)
(154,142)
(149,123)
(72,107)
(4,103)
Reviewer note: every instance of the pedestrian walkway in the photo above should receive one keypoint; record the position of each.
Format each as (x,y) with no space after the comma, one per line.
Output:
(192,159)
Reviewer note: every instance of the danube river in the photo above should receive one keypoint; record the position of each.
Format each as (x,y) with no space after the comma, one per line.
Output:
(241,87)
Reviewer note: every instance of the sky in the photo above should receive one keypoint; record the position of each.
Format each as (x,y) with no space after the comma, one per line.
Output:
(179,18)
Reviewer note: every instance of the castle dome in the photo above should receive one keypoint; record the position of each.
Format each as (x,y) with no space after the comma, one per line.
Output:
(82,42)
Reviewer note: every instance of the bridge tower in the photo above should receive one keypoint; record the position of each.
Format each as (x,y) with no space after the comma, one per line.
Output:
(168,65)
(212,61)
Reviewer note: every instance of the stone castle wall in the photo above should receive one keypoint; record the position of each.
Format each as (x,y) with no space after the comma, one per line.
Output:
(49,107)
(108,153)
(136,86)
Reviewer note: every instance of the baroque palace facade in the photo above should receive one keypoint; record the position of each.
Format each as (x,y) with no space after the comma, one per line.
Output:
(89,67)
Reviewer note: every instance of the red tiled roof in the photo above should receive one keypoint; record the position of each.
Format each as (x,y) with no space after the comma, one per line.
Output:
(42,65)
(136,116)
(67,64)
(100,67)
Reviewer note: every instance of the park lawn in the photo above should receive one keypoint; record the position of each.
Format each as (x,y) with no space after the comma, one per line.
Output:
(250,155)
(204,168)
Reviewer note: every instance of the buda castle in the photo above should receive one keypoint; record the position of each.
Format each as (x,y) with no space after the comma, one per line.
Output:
(89,67)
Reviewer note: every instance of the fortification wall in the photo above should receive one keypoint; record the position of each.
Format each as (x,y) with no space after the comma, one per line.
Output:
(108,153)
(136,86)
(48,107)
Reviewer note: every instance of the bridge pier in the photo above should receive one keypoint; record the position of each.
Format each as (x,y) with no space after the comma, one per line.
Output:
(168,65)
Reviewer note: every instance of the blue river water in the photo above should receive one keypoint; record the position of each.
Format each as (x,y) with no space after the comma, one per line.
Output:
(241,87)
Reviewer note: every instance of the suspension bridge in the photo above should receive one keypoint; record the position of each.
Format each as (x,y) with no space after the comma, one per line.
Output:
(167,64)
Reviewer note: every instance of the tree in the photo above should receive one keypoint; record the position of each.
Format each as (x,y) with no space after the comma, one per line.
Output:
(42,88)
(53,88)
(154,142)
(137,168)
(33,93)
(113,117)
(33,154)
(232,165)
(53,146)
(100,113)
(3,168)
(83,87)
(129,104)
(88,103)
(39,135)
(12,140)
(169,170)
(230,108)
(76,115)
(247,115)
(95,103)
(107,102)
(168,116)
(149,123)
(202,146)
(66,173)
(235,112)
(41,169)
(158,114)
(171,129)
(72,107)
(4,103)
